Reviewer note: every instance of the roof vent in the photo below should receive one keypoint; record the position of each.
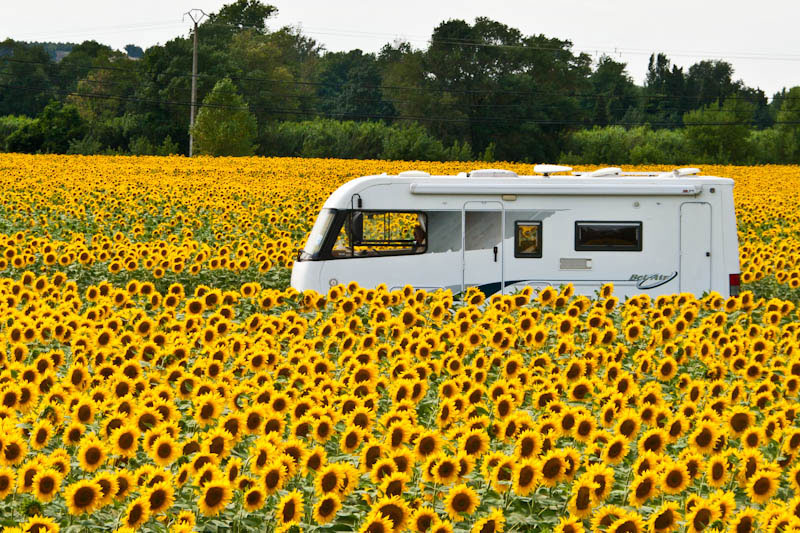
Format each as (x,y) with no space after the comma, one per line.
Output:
(413,174)
(678,172)
(609,171)
(550,169)
(492,173)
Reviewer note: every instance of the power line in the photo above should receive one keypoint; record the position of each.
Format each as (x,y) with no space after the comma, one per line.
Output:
(533,120)
(412,88)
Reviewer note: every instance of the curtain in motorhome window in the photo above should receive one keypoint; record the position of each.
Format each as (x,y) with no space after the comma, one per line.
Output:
(528,239)
(608,236)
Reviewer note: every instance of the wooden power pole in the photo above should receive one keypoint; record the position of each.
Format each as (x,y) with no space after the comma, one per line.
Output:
(196,15)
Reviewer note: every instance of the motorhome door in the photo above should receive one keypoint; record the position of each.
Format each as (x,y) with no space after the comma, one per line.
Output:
(482,246)
(695,275)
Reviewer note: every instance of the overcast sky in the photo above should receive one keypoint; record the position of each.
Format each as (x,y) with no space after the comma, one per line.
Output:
(761,39)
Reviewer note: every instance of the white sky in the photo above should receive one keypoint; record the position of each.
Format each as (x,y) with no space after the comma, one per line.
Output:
(761,39)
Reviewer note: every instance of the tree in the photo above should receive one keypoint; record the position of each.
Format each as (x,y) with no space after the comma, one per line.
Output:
(613,90)
(26,77)
(718,133)
(242,14)
(224,125)
(51,132)
(349,86)
(789,122)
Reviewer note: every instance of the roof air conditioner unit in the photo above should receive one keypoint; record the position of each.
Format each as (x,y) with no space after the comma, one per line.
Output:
(413,174)
(550,169)
(610,171)
(678,172)
(492,173)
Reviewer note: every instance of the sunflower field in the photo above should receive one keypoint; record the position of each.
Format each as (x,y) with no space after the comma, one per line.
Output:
(157,373)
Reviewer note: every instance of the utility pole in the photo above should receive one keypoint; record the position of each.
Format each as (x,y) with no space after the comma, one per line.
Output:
(196,15)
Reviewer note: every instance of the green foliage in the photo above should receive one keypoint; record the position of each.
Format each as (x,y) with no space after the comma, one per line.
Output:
(718,133)
(9,124)
(521,100)
(224,125)
(789,115)
(617,145)
(358,140)
(51,132)
(142,146)
(87,146)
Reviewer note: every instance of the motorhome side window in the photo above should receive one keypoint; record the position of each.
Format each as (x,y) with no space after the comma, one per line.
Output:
(527,239)
(608,236)
(377,233)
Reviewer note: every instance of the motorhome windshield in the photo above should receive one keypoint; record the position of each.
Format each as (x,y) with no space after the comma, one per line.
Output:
(317,236)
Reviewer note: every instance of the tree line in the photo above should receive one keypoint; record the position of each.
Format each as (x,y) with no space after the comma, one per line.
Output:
(476,90)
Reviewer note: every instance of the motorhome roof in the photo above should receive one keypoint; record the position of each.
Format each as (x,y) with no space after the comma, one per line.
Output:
(580,184)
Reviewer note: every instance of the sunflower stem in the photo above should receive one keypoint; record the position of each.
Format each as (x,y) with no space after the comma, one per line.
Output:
(627,486)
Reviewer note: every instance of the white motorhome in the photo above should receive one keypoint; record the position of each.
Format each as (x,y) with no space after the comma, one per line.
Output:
(654,233)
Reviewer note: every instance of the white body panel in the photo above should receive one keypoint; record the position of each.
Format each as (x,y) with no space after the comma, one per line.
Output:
(672,211)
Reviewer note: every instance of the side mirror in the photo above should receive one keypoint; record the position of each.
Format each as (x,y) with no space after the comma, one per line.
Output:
(356,227)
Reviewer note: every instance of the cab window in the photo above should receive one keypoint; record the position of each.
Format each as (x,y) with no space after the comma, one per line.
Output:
(379,233)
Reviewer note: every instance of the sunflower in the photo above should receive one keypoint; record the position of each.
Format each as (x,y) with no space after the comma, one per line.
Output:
(494,523)
(566,524)
(762,486)
(552,468)
(642,488)
(653,440)
(739,419)
(525,476)
(7,481)
(164,450)
(290,508)
(41,433)
(326,509)
(745,521)
(529,444)
(475,442)
(423,519)
(395,484)
(328,479)
(14,450)
(214,497)
(701,516)
(125,484)
(704,438)
(429,442)
(92,453)
(160,497)
(461,500)
(615,450)
(665,519)
(82,497)
(674,478)
(39,524)
(584,497)
(46,484)
(351,439)
(375,522)
(137,513)
(629,522)
(208,406)
(445,471)
(605,516)
(273,477)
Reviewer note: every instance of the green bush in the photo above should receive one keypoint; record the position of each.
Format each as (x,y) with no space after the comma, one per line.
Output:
(9,124)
